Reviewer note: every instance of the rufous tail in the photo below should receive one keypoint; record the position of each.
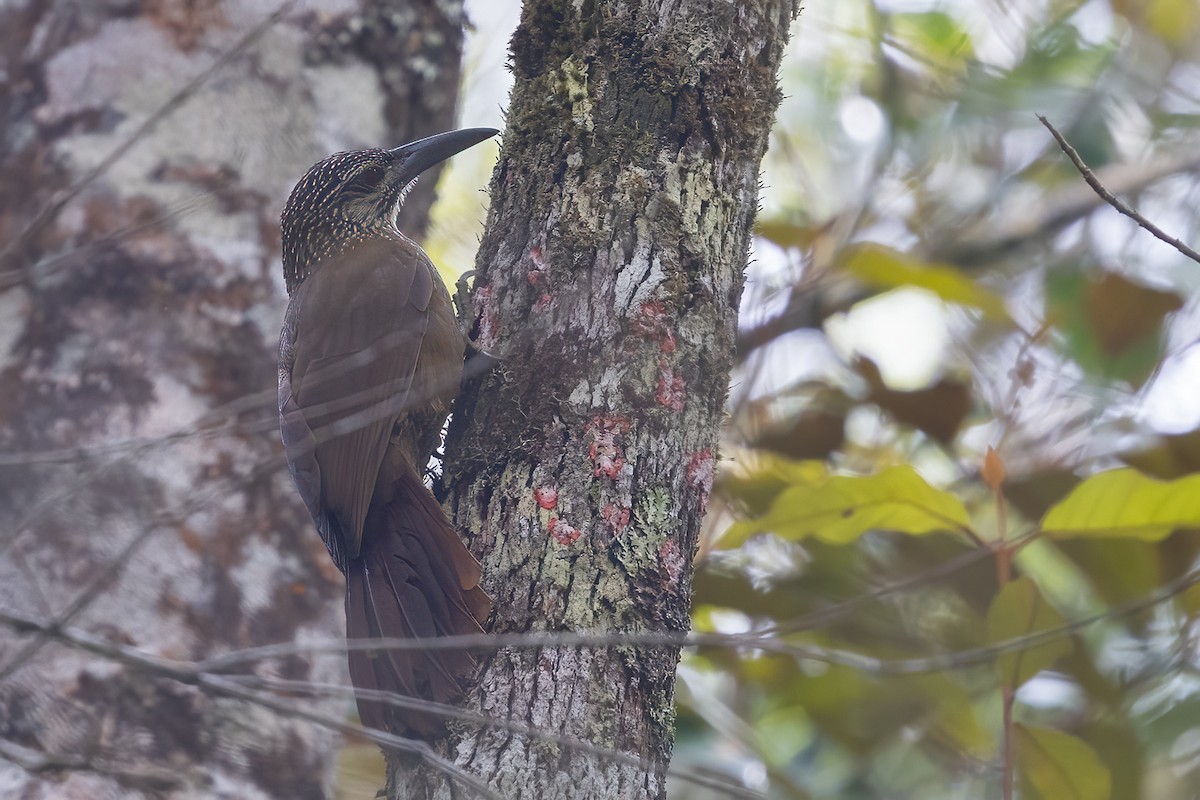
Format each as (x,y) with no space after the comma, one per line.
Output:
(414,578)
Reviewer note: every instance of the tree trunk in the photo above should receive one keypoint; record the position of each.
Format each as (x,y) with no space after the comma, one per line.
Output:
(142,493)
(608,283)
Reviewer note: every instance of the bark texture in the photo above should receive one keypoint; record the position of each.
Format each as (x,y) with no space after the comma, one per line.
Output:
(142,493)
(608,283)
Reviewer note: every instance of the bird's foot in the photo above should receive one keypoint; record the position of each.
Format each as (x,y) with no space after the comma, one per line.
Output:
(462,289)
(478,362)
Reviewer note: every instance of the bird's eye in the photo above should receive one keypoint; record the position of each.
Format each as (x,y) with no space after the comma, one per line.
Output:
(367,180)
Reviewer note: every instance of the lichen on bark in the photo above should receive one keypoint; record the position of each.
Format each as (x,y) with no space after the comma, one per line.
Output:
(608,283)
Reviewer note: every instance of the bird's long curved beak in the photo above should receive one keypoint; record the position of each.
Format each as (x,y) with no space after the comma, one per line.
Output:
(415,157)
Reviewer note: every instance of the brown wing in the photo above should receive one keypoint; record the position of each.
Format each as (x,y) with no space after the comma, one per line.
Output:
(359,324)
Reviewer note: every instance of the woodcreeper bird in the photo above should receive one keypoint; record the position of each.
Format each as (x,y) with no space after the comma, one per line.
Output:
(370,358)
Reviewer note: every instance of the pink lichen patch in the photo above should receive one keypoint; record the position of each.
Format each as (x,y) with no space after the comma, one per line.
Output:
(563,532)
(606,457)
(700,476)
(650,319)
(537,266)
(604,449)
(543,302)
(618,423)
(671,388)
(667,342)
(546,496)
(671,561)
(616,516)
(654,323)
(489,327)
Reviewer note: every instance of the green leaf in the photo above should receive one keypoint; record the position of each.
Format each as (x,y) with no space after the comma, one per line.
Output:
(1124,502)
(880,266)
(1020,610)
(841,508)
(936,34)
(1058,766)
(954,715)
(756,487)
(787,235)
(1125,570)
(782,734)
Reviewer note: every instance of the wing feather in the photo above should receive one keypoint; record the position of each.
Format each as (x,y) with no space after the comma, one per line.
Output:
(351,342)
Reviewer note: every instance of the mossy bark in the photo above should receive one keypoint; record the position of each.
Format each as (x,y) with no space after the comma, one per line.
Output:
(608,284)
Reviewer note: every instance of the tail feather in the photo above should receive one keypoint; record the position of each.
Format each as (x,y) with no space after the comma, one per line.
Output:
(362,663)
(413,578)
(402,604)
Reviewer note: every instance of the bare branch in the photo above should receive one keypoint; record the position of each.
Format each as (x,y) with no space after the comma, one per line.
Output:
(189,674)
(35,761)
(1112,199)
(767,643)
(202,674)
(239,686)
(921,578)
(693,774)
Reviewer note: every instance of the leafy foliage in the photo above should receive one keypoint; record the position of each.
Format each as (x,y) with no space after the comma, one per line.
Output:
(840,508)
(1018,611)
(1124,502)
(983,602)
(1058,766)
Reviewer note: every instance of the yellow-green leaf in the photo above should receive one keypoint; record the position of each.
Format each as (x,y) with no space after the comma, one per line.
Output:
(1058,766)
(1175,21)
(955,715)
(1124,502)
(786,234)
(1018,611)
(936,35)
(883,267)
(840,508)
(756,485)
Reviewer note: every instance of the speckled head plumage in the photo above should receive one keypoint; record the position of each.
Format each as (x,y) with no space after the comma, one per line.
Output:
(355,195)
(341,199)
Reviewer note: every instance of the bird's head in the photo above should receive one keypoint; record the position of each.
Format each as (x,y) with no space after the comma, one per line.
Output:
(355,195)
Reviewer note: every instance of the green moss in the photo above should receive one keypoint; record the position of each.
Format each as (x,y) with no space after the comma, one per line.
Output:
(637,549)
(549,32)
(653,511)
(573,78)
(556,566)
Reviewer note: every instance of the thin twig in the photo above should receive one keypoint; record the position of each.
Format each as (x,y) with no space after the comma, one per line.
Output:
(188,673)
(104,577)
(193,674)
(389,741)
(1112,199)
(150,779)
(750,641)
(202,673)
(923,577)
(693,775)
